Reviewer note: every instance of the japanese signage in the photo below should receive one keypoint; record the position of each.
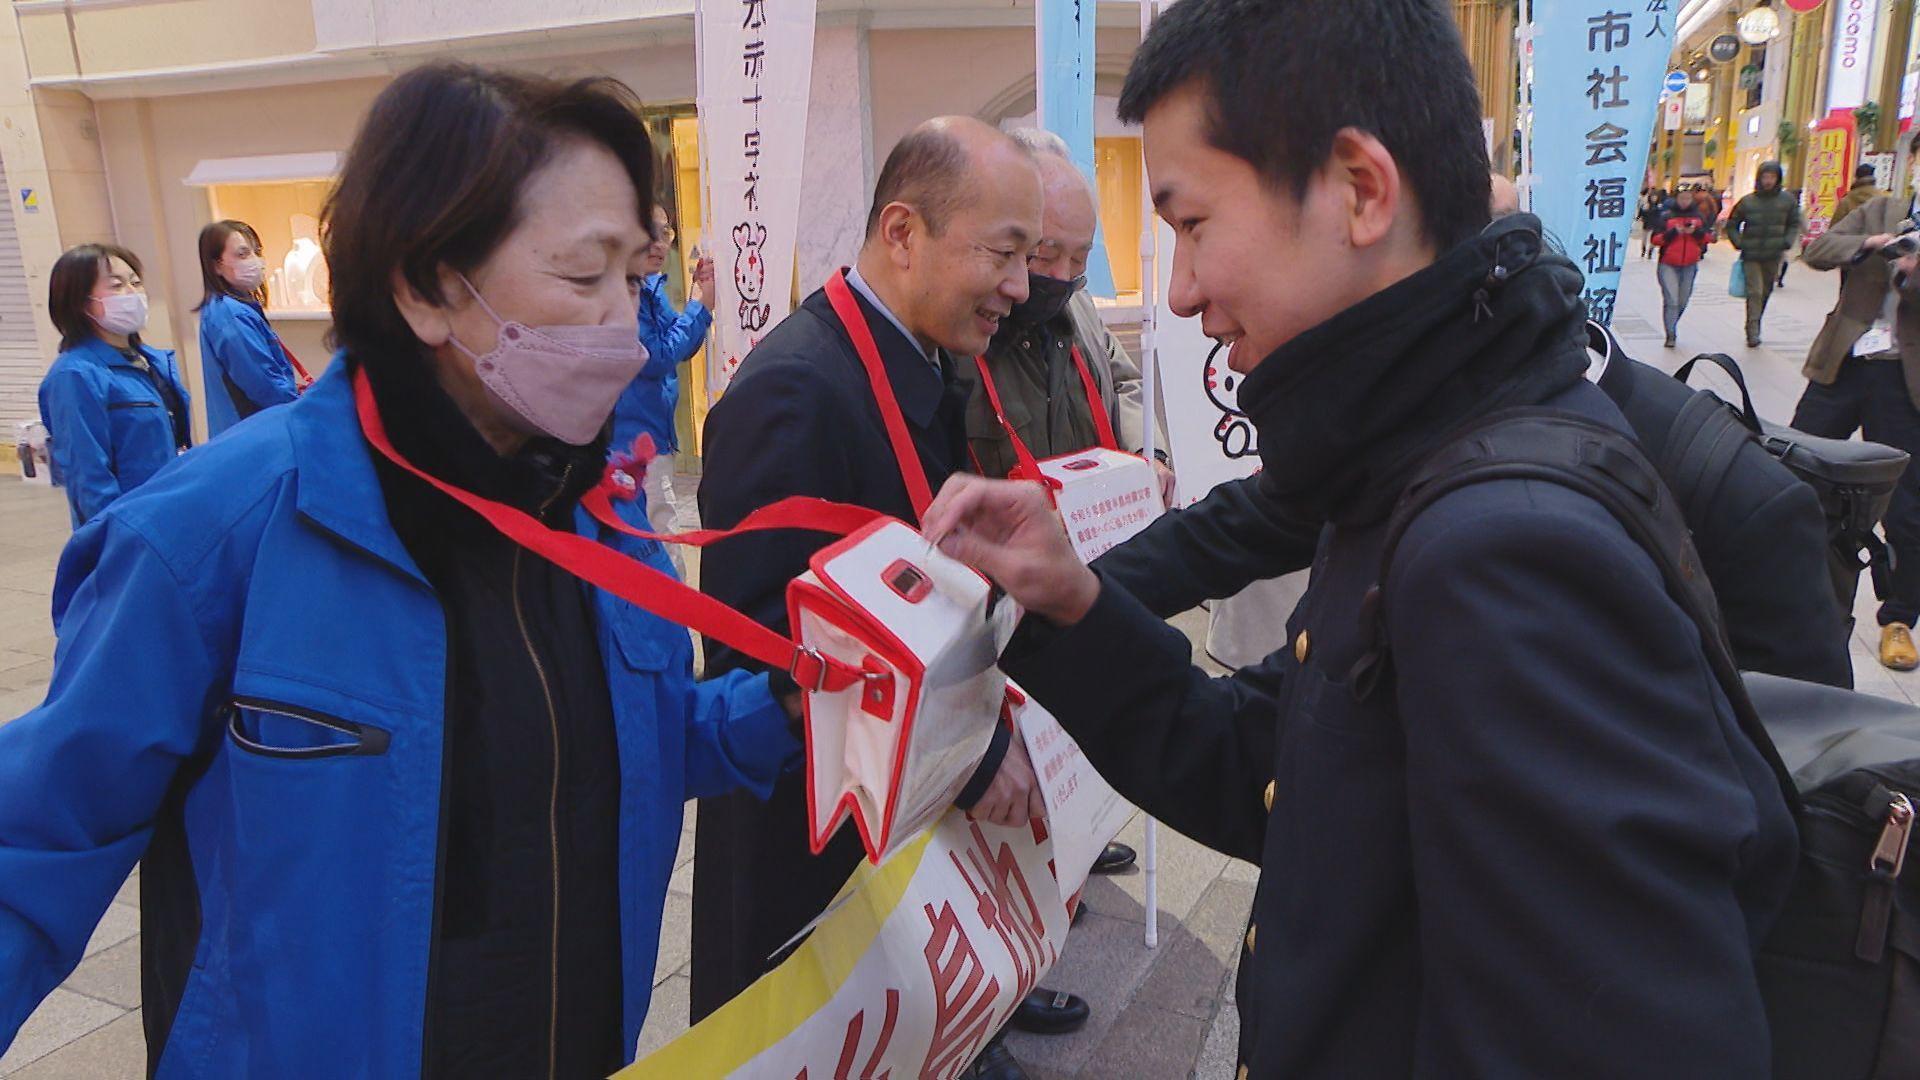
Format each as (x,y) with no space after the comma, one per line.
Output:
(756,66)
(1064,94)
(919,960)
(1829,165)
(1853,22)
(1104,497)
(1597,83)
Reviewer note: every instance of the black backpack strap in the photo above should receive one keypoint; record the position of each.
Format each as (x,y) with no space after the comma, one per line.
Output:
(1726,363)
(1605,466)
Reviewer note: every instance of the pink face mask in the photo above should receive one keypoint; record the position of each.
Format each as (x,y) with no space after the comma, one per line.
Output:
(564,380)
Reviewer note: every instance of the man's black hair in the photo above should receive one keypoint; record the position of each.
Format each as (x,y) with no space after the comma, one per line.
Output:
(1283,77)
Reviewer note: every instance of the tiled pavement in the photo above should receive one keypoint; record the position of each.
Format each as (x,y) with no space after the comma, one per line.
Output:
(1164,1013)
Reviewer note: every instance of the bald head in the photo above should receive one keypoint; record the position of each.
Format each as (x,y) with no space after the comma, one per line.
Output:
(934,168)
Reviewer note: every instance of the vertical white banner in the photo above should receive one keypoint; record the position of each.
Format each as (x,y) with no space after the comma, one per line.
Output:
(1852,56)
(756,67)
(1208,437)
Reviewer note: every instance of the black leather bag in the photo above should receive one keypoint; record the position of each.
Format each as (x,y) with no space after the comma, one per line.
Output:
(1854,479)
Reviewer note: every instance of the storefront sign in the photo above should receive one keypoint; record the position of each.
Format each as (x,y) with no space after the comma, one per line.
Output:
(756,66)
(1804,6)
(1597,82)
(1853,24)
(1829,164)
(1724,48)
(1064,97)
(1674,110)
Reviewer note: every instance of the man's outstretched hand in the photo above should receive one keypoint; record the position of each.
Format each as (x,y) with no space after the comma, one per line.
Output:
(1013,798)
(1009,531)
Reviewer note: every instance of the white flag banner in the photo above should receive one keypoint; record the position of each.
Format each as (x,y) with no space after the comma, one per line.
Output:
(756,67)
(1209,438)
(920,959)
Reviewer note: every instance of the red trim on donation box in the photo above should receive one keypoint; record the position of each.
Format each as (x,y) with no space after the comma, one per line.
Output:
(889,661)
(912,473)
(639,584)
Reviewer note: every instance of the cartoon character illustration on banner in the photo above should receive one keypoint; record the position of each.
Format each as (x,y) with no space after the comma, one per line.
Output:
(1234,431)
(750,274)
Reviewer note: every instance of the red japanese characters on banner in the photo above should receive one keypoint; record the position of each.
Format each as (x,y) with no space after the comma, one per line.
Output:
(1829,164)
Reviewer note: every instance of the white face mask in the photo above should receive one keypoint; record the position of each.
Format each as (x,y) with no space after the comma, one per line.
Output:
(122,313)
(248,275)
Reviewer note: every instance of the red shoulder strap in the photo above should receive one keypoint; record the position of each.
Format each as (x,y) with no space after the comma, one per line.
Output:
(1028,467)
(840,295)
(634,581)
(1101,423)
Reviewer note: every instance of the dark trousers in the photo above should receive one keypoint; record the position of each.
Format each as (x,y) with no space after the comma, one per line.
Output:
(1762,275)
(1870,396)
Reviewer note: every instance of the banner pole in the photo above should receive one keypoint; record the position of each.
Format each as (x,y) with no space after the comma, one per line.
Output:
(1149,415)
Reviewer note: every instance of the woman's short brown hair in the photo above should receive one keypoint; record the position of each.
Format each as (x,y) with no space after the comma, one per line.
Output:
(70,287)
(434,177)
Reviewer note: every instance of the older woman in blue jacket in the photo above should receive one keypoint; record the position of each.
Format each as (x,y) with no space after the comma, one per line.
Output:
(405,795)
(114,406)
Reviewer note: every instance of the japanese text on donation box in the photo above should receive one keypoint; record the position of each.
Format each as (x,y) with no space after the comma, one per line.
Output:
(756,60)
(1597,86)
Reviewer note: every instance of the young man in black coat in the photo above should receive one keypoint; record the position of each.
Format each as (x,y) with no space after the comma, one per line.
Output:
(956,211)
(1543,847)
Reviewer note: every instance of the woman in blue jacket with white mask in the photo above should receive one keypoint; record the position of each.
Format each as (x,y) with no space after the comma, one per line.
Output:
(114,407)
(405,795)
(245,365)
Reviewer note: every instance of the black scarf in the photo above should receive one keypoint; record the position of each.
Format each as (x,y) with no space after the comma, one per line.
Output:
(1346,409)
(431,431)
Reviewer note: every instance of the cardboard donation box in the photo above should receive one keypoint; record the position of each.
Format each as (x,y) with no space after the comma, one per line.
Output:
(925,631)
(1104,496)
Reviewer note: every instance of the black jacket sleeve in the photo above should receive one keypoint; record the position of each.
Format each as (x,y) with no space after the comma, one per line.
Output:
(1210,550)
(1193,751)
(1785,620)
(1576,790)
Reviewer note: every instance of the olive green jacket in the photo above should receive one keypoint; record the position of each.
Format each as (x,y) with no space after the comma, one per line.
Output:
(1764,226)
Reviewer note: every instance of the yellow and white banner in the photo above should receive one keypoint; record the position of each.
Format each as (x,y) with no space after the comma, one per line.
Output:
(921,959)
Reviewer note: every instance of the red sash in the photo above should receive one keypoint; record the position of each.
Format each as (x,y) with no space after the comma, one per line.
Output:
(638,583)
(840,295)
(1102,426)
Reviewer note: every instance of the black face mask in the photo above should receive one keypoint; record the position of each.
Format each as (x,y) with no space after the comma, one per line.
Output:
(1046,298)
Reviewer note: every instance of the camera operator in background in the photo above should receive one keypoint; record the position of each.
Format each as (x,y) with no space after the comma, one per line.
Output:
(1863,374)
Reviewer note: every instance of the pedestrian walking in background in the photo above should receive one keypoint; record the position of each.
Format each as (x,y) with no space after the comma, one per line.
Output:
(244,364)
(1863,374)
(1865,189)
(114,407)
(1682,240)
(1763,228)
(1653,202)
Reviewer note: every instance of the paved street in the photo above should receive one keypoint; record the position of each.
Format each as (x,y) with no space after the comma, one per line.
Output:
(1164,1013)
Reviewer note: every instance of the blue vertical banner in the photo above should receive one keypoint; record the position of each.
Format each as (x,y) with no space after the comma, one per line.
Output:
(1064,95)
(1597,67)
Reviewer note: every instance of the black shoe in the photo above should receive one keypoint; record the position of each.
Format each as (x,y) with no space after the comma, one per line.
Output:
(1670,341)
(1050,1012)
(995,1063)
(1115,858)
(1753,343)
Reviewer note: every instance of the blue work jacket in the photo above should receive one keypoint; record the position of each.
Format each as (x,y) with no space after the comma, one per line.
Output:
(245,366)
(109,424)
(671,338)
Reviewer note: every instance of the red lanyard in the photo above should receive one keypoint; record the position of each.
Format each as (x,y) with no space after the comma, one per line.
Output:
(1102,426)
(638,583)
(912,473)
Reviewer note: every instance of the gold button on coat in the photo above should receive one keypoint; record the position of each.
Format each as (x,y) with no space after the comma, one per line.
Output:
(1242,1074)
(1250,931)
(1271,786)
(1301,646)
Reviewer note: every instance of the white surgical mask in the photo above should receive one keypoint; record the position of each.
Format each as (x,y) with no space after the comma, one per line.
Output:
(123,313)
(248,275)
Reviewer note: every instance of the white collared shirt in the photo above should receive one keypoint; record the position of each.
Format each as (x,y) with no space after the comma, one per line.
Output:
(932,357)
